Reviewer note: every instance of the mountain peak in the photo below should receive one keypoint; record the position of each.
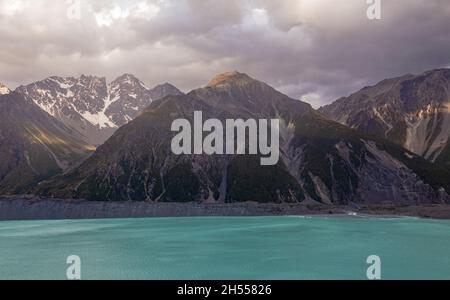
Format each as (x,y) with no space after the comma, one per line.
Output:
(165,85)
(127,76)
(438,73)
(4,89)
(130,79)
(230,77)
(84,77)
(164,89)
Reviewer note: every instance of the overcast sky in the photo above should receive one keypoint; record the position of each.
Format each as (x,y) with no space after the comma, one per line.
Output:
(314,50)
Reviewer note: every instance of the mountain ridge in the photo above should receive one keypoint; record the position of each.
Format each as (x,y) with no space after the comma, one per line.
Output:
(91,105)
(322,161)
(411,110)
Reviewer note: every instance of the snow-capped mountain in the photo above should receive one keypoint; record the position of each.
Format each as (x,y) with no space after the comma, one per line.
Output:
(321,161)
(4,90)
(127,97)
(412,110)
(90,105)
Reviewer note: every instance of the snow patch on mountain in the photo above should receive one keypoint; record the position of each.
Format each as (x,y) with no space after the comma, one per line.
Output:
(90,105)
(99,119)
(380,117)
(4,90)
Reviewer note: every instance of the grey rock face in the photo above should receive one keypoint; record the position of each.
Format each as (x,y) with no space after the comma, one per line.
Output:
(163,90)
(412,111)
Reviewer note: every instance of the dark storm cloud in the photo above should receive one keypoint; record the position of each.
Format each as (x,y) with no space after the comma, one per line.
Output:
(316,50)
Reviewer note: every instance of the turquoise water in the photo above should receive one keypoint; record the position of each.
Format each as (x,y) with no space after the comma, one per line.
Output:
(226,248)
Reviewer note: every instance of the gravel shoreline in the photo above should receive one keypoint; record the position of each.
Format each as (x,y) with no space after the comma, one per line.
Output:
(35,208)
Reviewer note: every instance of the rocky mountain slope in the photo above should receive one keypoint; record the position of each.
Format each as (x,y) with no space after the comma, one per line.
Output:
(321,160)
(33,145)
(412,111)
(90,105)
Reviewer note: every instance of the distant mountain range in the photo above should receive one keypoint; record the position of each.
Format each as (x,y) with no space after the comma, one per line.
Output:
(92,106)
(412,111)
(322,161)
(49,126)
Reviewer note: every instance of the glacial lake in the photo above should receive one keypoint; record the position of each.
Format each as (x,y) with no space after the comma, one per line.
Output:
(227,248)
